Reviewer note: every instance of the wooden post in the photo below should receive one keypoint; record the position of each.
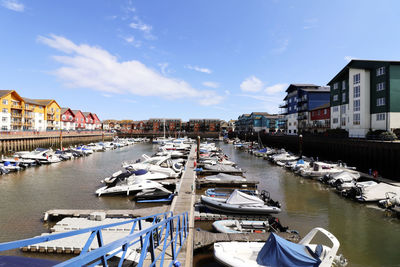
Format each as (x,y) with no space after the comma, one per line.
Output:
(61,140)
(301,145)
(198,148)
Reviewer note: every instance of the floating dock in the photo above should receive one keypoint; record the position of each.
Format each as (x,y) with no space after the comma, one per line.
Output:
(57,214)
(201,183)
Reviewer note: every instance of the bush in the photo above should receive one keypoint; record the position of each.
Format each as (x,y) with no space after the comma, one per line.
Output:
(381,135)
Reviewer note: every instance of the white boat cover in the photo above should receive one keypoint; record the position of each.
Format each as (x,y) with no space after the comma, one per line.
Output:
(240,198)
(378,191)
(345,176)
(225,177)
(221,168)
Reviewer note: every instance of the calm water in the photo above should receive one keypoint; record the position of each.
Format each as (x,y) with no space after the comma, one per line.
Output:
(26,195)
(367,236)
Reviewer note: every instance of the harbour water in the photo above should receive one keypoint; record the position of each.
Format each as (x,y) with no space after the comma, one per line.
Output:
(367,236)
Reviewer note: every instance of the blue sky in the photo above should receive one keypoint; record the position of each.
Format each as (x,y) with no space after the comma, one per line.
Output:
(185,59)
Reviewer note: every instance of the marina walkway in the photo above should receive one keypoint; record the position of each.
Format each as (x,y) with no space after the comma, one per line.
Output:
(184,202)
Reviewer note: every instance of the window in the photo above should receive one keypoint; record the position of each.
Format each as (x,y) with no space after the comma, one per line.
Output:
(290,131)
(356,119)
(356,105)
(290,100)
(380,86)
(380,101)
(343,121)
(343,85)
(344,97)
(335,120)
(4,119)
(4,128)
(380,116)
(26,106)
(70,118)
(343,109)
(63,117)
(5,102)
(335,109)
(290,124)
(40,121)
(356,78)
(335,98)
(356,91)
(325,111)
(335,86)
(319,112)
(81,119)
(5,110)
(380,71)
(52,110)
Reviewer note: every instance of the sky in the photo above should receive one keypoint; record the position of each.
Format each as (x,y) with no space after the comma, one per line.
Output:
(185,59)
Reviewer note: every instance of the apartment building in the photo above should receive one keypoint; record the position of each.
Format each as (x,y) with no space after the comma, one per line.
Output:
(365,95)
(259,121)
(300,99)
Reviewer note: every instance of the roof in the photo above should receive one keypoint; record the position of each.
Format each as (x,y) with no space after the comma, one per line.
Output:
(43,102)
(327,105)
(294,86)
(260,113)
(75,111)
(5,92)
(363,64)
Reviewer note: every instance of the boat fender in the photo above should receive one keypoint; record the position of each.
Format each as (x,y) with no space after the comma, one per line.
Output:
(177,264)
(375,174)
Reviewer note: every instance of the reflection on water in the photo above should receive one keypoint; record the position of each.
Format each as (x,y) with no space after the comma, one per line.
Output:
(367,236)
(26,195)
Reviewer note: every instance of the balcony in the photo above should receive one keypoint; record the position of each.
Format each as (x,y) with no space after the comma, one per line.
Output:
(28,123)
(16,115)
(28,116)
(284,105)
(16,106)
(16,123)
(50,117)
(28,108)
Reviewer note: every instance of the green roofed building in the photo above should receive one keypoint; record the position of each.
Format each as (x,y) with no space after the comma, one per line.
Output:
(365,95)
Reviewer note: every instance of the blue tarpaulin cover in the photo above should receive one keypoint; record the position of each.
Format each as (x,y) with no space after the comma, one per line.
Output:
(140,172)
(300,161)
(262,150)
(277,251)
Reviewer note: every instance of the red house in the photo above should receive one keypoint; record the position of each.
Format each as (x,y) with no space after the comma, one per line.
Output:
(67,119)
(97,122)
(89,119)
(80,120)
(320,118)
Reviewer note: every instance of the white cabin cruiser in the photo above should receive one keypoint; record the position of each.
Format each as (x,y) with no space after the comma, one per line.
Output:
(143,174)
(130,185)
(156,164)
(277,251)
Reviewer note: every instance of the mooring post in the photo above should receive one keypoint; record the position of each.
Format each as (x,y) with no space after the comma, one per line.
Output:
(198,148)
(61,140)
(301,145)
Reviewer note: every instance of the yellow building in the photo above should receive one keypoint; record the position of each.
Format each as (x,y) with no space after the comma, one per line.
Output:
(12,108)
(34,115)
(52,113)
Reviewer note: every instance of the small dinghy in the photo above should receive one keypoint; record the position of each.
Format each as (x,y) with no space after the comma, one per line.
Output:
(225,192)
(225,177)
(277,251)
(239,203)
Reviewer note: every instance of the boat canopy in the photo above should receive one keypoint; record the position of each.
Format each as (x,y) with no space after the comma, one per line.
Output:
(277,251)
(140,172)
(300,161)
(225,177)
(262,150)
(378,191)
(240,198)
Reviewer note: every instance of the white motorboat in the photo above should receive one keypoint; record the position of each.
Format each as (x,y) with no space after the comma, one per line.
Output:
(95,147)
(239,203)
(143,174)
(224,177)
(241,226)
(341,177)
(318,169)
(376,192)
(129,186)
(277,251)
(156,164)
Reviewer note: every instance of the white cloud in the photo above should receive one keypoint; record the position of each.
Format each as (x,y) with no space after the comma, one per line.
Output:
(86,66)
(252,84)
(199,69)
(276,88)
(13,5)
(349,58)
(282,46)
(106,95)
(163,67)
(211,84)
(131,40)
(227,92)
(139,25)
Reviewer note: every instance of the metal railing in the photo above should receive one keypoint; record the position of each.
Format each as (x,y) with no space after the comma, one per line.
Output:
(167,231)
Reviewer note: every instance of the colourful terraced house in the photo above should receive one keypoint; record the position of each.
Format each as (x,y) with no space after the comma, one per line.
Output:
(12,110)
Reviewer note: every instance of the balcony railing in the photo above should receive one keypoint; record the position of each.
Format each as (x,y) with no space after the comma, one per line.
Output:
(16,106)
(29,108)
(16,123)
(16,115)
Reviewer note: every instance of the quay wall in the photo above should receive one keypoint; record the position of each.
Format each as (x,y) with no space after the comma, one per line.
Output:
(14,143)
(382,156)
(173,134)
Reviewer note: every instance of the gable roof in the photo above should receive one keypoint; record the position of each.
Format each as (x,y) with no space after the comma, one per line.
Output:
(5,92)
(295,86)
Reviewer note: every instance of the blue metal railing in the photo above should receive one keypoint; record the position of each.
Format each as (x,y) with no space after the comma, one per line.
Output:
(166,231)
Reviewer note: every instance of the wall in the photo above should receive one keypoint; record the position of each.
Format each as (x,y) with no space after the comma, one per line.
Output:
(363,154)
